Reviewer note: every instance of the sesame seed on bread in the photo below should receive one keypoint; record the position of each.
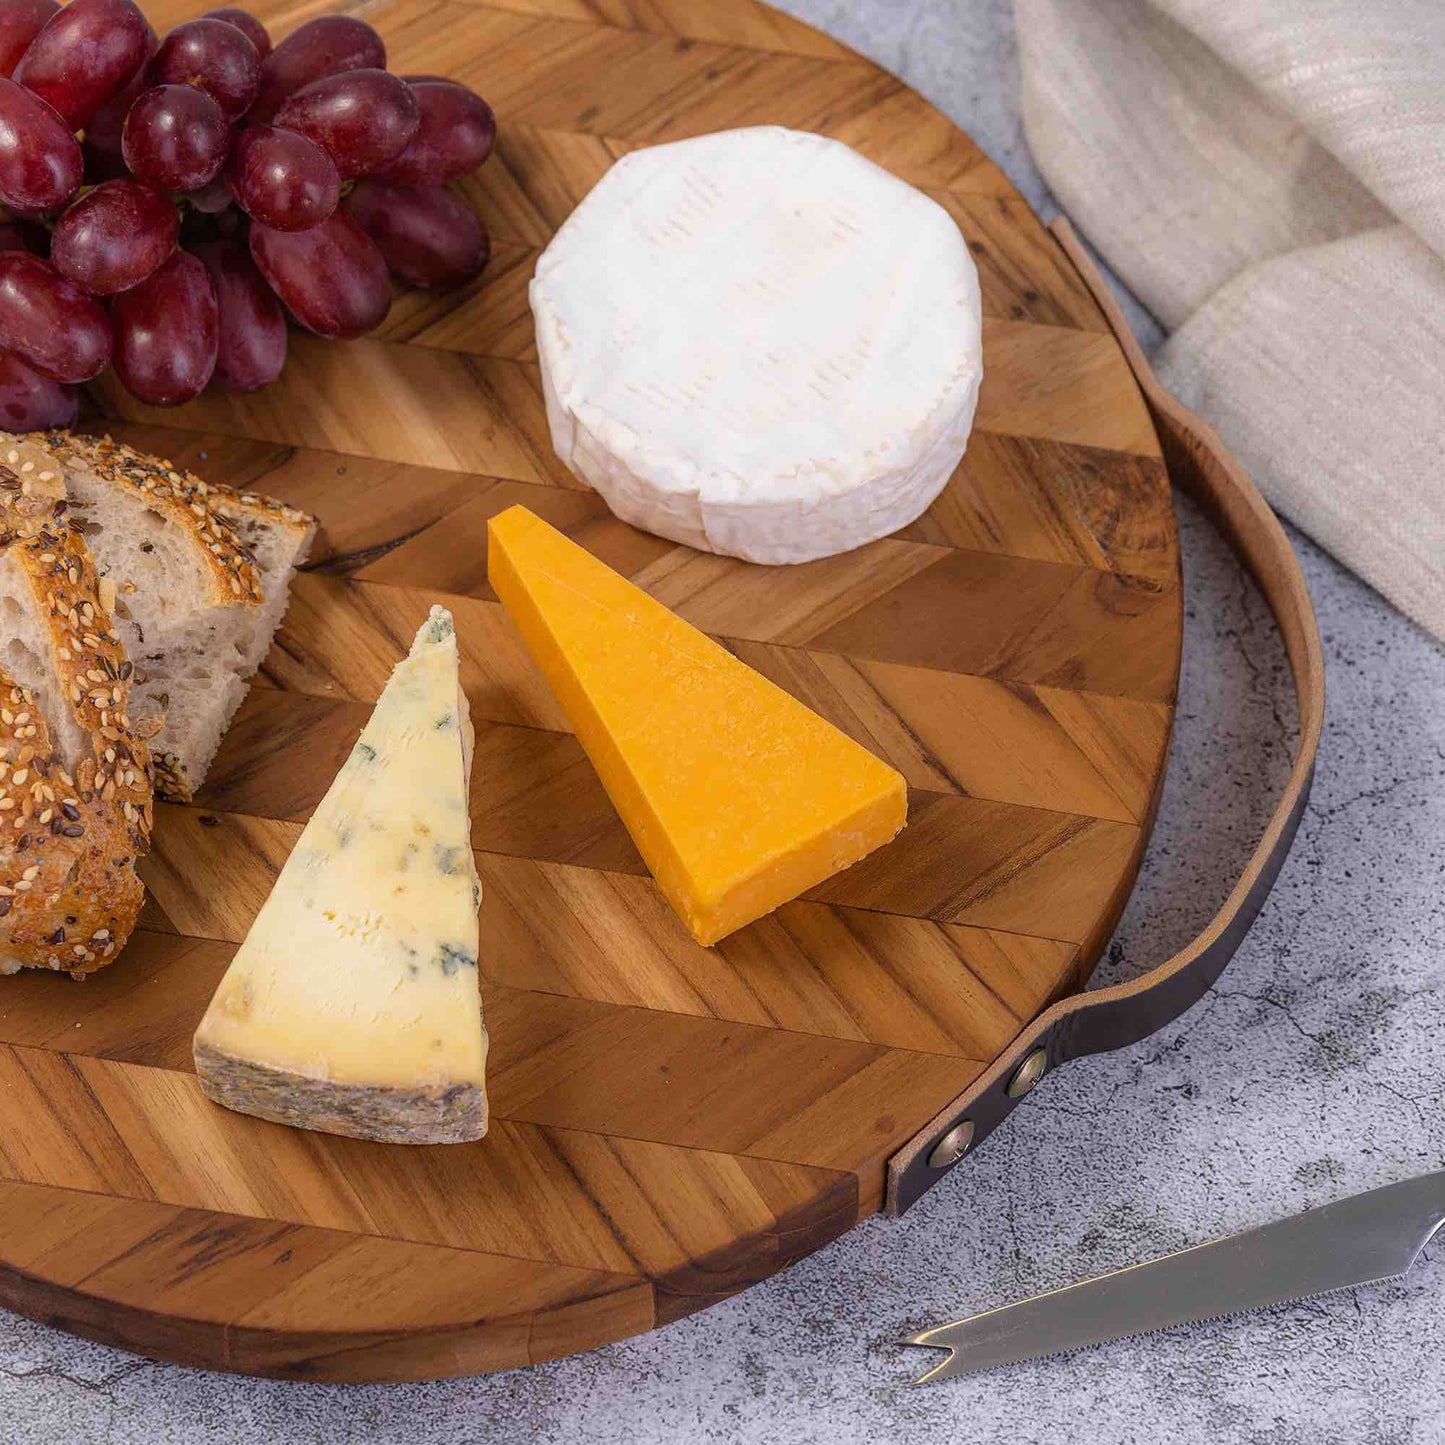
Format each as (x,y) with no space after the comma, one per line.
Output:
(31,483)
(253,507)
(75,774)
(200,576)
(229,573)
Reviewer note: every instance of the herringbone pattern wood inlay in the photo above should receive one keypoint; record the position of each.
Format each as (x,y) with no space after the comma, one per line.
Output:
(671,1123)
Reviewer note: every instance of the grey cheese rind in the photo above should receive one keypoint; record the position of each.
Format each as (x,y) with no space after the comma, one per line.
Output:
(447,1114)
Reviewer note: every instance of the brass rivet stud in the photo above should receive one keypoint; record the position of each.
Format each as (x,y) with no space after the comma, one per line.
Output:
(1028,1074)
(953,1146)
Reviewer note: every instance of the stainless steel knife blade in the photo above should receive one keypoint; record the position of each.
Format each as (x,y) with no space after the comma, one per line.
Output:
(1358,1240)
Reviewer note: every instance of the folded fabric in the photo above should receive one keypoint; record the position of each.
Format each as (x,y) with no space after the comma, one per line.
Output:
(1268,177)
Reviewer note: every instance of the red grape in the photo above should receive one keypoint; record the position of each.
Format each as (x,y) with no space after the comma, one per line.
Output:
(282,179)
(49,322)
(429,236)
(311,115)
(31,402)
(104,127)
(84,55)
(175,137)
(362,119)
(40,162)
(252,323)
(214,57)
(455,136)
(247,24)
(332,278)
(167,332)
(20,23)
(324,46)
(114,236)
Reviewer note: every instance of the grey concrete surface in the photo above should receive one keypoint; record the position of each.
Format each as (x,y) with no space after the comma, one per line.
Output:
(1316,1069)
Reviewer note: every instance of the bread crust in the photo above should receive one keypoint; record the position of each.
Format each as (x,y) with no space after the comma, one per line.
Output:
(231,575)
(172,779)
(69,893)
(32,481)
(213,519)
(301,525)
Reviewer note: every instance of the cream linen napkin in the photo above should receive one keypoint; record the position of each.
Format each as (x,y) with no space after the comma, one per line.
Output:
(1268,177)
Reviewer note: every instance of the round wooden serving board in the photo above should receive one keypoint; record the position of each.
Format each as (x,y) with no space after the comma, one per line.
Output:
(670,1123)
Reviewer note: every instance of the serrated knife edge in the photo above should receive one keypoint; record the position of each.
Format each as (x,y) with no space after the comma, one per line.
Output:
(1359,1240)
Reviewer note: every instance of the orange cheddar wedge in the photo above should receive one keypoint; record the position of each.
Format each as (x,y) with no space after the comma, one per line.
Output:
(738,797)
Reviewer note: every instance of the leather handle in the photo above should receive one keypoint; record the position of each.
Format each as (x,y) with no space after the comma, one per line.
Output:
(1110,1018)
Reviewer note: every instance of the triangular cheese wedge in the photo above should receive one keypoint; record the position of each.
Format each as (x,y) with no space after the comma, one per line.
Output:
(352,1006)
(738,797)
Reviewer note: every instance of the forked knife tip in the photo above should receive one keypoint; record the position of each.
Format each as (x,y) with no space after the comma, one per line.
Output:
(938,1372)
(924,1341)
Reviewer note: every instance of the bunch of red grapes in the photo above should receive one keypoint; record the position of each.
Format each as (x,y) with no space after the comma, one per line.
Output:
(166,198)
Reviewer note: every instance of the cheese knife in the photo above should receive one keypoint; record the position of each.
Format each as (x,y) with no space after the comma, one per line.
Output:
(1363,1239)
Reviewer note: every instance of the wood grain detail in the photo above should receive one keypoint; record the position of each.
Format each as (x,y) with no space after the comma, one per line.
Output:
(671,1123)
(484,413)
(265,1298)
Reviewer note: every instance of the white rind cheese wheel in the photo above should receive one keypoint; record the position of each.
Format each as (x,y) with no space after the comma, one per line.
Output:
(759,343)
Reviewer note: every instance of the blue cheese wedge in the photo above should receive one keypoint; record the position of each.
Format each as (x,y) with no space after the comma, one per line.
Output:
(353,1006)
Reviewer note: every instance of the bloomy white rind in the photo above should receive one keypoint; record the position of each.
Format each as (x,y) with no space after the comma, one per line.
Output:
(738,490)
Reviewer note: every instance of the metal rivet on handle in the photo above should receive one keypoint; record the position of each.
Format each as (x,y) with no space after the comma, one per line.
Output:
(953,1146)
(1028,1074)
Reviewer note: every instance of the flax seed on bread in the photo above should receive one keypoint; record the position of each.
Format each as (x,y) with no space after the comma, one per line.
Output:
(201,575)
(75,775)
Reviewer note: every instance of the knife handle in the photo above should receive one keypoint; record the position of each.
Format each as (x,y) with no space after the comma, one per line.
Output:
(1110,1018)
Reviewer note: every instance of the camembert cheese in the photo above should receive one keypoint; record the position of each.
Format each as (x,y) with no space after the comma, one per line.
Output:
(759,343)
(353,1006)
(738,797)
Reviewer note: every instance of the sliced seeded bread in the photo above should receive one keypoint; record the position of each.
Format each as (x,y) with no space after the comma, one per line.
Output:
(200,574)
(75,774)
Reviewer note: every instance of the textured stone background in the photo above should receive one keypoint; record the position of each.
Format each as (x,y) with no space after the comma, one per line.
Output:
(1315,1070)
